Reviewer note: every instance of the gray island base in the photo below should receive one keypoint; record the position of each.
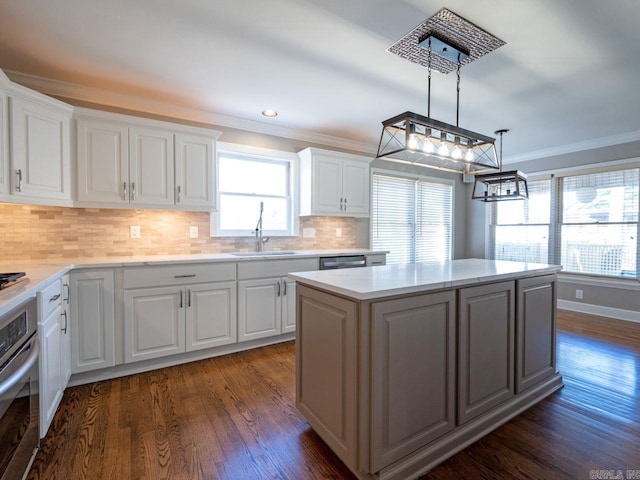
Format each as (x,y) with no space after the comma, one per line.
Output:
(399,367)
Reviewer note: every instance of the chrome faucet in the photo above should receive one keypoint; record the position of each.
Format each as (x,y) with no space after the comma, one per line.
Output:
(260,240)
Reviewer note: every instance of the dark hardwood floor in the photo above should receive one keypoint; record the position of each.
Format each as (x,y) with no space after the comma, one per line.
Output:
(234,417)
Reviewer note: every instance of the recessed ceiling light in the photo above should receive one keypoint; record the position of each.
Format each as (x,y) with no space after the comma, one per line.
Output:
(269,113)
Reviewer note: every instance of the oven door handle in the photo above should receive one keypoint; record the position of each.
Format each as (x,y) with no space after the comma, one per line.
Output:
(16,376)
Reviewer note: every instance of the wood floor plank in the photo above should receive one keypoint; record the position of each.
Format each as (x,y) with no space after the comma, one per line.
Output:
(234,417)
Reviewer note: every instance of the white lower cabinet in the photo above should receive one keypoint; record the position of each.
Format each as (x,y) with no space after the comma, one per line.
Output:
(92,320)
(178,308)
(168,320)
(54,349)
(267,298)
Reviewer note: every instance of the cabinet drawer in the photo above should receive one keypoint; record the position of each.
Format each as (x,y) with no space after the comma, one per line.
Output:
(51,299)
(275,268)
(179,274)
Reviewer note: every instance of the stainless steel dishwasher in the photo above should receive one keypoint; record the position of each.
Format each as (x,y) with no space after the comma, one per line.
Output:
(350,261)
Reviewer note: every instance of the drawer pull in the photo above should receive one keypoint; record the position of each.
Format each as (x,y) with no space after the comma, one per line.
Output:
(64,330)
(185,276)
(55,297)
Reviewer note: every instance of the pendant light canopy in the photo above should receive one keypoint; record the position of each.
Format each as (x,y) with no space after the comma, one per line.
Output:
(443,42)
(498,186)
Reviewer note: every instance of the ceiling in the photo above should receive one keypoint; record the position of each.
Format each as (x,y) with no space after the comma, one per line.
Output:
(567,78)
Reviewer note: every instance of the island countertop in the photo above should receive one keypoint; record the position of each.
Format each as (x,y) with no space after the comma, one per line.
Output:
(390,280)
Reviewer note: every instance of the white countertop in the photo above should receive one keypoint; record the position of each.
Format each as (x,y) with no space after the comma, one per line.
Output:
(42,273)
(385,281)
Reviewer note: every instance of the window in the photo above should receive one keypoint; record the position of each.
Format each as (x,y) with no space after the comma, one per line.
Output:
(411,218)
(599,226)
(593,218)
(521,229)
(245,180)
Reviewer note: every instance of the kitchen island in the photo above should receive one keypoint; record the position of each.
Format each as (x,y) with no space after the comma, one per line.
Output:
(399,367)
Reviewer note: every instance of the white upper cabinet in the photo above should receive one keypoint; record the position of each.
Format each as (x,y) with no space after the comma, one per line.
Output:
(103,161)
(194,170)
(40,164)
(333,183)
(4,134)
(139,163)
(151,166)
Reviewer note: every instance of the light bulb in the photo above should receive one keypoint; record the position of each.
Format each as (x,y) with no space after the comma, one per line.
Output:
(469,155)
(414,141)
(443,150)
(428,146)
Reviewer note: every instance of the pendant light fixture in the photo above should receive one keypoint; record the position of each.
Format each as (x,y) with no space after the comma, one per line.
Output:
(494,187)
(443,42)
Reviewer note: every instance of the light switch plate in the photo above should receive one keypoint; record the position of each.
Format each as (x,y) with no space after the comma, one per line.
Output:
(338,232)
(193,232)
(309,232)
(134,231)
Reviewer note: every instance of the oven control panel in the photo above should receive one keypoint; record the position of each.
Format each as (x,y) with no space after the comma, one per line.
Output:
(13,333)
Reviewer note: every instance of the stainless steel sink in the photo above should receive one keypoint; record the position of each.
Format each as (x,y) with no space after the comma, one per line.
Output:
(261,254)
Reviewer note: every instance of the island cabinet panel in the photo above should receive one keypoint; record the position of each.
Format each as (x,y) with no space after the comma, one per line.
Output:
(326,369)
(486,357)
(413,360)
(535,331)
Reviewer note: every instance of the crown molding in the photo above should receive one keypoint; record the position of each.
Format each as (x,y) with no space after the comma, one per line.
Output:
(110,98)
(576,147)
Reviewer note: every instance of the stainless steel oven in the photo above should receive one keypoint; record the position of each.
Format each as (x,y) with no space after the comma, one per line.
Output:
(19,351)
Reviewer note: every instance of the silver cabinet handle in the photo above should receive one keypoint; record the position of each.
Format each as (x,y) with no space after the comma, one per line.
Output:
(68,299)
(278,289)
(191,275)
(180,298)
(19,174)
(284,287)
(133,190)
(179,194)
(188,297)
(345,204)
(64,330)
(55,297)
(340,204)
(124,191)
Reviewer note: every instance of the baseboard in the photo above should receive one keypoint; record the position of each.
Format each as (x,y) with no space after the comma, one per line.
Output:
(617,313)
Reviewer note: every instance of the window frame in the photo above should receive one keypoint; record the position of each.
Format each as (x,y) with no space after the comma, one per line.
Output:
(261,155)
(557,222)
(422,178)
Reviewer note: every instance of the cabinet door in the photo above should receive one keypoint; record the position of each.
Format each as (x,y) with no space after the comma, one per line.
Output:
(211,315)
(154,322)
(288,305)
(92,320)
(327,369)
(327,185)
(40,150)
(50,369)
(194,171)
(536,330)
(103,162)
(151,166)
(259,308)
(413,374)
(486,348)
(355,187)
(65,348)
(4,143)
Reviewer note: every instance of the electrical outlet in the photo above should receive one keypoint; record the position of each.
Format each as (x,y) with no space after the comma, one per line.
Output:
(193,232)
(134,231)
(338,232)
(579,294)
(309,232)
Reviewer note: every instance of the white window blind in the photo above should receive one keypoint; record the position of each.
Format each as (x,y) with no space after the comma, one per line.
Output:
(599,223)
(411,218)
(521,229)
(588,223)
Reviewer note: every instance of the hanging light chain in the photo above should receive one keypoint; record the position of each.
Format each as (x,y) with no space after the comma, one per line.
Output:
(458,93)
(429,84)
